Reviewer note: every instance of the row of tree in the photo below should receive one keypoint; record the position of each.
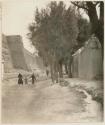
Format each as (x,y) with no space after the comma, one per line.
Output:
(57,32)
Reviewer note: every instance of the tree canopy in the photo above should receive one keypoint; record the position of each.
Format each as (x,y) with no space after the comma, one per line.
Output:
(97,23)
(54,32)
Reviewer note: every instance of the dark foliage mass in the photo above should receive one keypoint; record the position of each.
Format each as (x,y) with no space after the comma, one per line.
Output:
(97,22)
(54,34)
(57,32)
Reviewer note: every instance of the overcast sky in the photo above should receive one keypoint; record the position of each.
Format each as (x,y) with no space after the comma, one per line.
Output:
(18,14)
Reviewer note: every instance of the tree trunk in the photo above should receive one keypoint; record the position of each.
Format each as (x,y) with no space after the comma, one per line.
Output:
(52,72)
(69,70)
(100,35)
(97,24)
(56,71)
(60,70)
(69,67)
(100,30)
(66,69)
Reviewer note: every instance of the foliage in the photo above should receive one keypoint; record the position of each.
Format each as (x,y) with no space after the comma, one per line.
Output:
(84,28)
(54,32)
(97,22)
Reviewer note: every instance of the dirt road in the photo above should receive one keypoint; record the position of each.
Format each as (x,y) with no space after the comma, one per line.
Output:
(46,103)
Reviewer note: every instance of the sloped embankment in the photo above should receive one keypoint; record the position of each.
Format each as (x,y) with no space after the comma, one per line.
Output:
(92,87)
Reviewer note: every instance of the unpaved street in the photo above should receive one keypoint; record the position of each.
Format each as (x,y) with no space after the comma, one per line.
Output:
(44,102)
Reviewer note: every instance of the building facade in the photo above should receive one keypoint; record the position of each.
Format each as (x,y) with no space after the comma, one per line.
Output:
(87,61)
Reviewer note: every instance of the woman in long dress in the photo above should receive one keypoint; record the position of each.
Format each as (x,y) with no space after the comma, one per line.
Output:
(20,80)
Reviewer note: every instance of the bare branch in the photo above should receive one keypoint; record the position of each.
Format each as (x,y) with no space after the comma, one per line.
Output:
(96,3)
(79,6)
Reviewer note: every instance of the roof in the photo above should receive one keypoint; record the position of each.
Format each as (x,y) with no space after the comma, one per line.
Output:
(92,43)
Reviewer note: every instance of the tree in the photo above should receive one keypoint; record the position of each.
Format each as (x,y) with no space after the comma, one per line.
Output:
(84,32)
(97,23)
(54,33)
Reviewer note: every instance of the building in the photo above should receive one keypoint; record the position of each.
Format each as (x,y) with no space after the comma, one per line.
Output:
(87,61)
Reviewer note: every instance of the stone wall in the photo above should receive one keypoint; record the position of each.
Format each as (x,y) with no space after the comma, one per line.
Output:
(7,64)
(16,50)
(87,61)
(16,57)
(30,60)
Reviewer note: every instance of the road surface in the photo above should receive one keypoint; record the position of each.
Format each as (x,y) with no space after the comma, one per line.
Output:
(46,103)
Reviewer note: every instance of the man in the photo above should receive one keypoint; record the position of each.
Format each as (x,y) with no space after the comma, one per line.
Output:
(47,72)
(33,78)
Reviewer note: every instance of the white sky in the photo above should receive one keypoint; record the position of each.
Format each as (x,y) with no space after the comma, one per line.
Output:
(18,14)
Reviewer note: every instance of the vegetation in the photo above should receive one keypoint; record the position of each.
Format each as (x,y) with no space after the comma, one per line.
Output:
(84,28)
(54,34)
(57,32)
(97,22)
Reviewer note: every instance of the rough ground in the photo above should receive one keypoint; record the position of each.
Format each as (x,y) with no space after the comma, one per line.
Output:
(43,103)
(94,87)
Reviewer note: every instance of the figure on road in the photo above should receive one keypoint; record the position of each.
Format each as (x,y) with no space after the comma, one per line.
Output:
(33,78)
(47,72)
(20,80)
(26,80)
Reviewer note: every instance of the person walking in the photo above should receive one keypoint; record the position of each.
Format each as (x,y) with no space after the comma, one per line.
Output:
(47,72)
(20,80)
(26,80)
(33,78)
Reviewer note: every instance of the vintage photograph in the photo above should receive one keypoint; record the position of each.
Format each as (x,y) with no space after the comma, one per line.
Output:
(52,61)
